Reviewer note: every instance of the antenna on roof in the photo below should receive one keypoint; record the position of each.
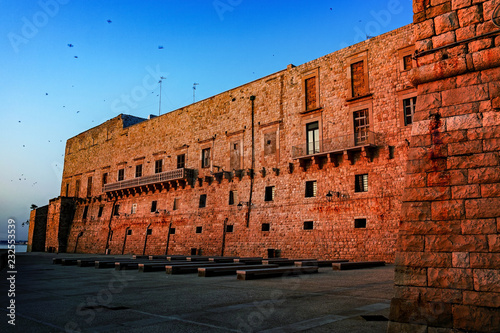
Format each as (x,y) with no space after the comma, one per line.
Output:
(161,78)
(194,90)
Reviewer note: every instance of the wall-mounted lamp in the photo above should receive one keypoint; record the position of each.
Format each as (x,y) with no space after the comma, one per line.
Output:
(330,194)
(242,203)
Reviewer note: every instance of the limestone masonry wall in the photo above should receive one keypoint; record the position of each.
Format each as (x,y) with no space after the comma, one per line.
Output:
(298,134)
(448,261)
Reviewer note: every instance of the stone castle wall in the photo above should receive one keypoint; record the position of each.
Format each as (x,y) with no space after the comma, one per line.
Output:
(448,261)
(270,144)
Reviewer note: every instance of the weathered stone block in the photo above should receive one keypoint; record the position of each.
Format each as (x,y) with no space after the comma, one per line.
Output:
(482,208)
(446,22)
(409,276)
(465,95)
(470,15)
(450,278)
(456,243)
(485,260)
(460,259)
(466,191)
(478,227)
(491,300)
(476,319)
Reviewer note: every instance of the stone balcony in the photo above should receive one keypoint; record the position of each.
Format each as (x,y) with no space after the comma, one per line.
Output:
(167,179)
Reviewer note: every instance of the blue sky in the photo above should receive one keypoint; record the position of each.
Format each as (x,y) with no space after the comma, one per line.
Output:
(69,65)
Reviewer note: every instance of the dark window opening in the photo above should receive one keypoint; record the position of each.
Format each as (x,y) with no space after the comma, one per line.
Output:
(181,161)
(203,201)
(176,204)
(149,231)
(361,183)
(172,231)
(116,211)
(229,228)
(99,213)
(232,197)
(138,171)
(121,174)
(359,223)
(67,189)
(85,211)
(199,230)
(308,225)
(312,130)
(311,188)
(104,178)
(194,251)
(153,206)
(129,232)
(269,195)
(266,226)
(205,158)
(409,109)
(391,152)
(158,166)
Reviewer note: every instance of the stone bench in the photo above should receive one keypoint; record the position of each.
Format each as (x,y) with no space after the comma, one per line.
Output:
(227,270)
(109,263)
(90,262)
(186,269)
(160,266)
(319,263)
(356,265)
(140,257)
(222,259)
(198,258)
(120,265)
(249,260)
(283,261)
(251,274)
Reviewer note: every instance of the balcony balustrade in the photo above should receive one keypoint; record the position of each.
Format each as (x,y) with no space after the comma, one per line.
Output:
(332,145)
(172,175)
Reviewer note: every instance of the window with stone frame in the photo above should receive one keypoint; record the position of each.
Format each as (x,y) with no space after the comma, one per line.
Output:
(104,178)
(138,170)
(359,86)
(176,204)
(269,143)
(158,166)
(361,127)
(409,109)
(407,62)
(312,138)
(311,98)
(269,194)
(361,183)
(311,189)
(205,158)
(181,161)
(121,174)
(235,155)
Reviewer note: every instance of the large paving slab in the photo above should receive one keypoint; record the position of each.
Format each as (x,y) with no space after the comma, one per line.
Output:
(55,298)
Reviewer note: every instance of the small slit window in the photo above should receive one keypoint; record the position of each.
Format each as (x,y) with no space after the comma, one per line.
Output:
(359,223)
(203,201)
(153,206)
(149,231)
(199,230)
(229,228)
(129,232)
(308,225)
(172,231)
(266,226)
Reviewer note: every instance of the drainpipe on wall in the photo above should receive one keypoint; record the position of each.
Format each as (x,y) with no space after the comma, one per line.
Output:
(146,239)
(125,240)
(252,99)
(223,238)
(77,238)
(109,227)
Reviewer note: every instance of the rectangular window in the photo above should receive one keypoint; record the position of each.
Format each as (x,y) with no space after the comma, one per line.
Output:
(153,206)
(361,183)
(409,109)
(407,62)
(121,174)
(361,127)
(266,227)
(77,188)
(85,211)
(269,195)
(149,232)
(129,232)
(176,204)
(116,211)
(101,208)
(138,171)
(269,143)
(171,231)
(234,158)
(181,161)
(199,230)
(358,84)
(158,166)
(133,210)
(308,225)
(205,158)
(89,187)
(104,178)
(311,98)
(312,133)
(229,228)
(311,188)
(67,189)
(233,197)
(203,201)
(359,223)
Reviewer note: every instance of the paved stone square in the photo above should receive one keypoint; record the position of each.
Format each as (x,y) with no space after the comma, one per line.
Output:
(55,298)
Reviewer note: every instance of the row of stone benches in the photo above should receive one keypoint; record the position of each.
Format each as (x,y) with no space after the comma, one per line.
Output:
(244,268)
